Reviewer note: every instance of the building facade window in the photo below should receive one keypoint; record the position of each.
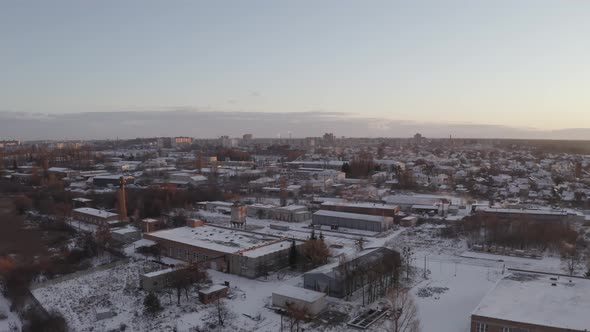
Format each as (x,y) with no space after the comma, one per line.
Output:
(481,327)
(507,329)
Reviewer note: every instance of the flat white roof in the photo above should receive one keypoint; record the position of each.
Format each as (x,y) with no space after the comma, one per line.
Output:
(530,298)
(298,293)
(81,199)
(95,212)
(362,205)
(268,249)
(159,272)
(346,215)
(214,238)
(524,211)
(212,289)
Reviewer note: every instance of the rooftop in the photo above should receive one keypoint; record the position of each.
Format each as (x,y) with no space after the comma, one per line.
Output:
(212,289)
(531,298)
(362,205)
(95,212)
(214,238)
(302,294)
(347,215)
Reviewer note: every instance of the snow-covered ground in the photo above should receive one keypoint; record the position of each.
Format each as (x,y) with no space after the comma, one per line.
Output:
(8,319)
(456,281)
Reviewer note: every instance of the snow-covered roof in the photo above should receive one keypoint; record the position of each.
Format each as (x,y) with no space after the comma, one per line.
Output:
(362,205)
(539,299)
(125,230)
(81,199)
(158,273)
(212,289)
(297,293)
(346,215)
(214,238)
(95,212)
(267,249)
(524,211)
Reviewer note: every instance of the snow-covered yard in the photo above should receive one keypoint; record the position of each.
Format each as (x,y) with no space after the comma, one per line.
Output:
(8,319)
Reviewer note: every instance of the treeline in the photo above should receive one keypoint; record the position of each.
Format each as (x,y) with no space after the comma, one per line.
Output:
(374,278)
(154,202)
(517,233)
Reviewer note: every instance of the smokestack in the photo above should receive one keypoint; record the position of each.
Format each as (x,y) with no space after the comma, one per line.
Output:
(122,201)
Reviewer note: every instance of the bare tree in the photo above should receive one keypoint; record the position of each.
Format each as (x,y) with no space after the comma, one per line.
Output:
(572,257)
(404,314)
(297,315)
(222,310)
(407,258)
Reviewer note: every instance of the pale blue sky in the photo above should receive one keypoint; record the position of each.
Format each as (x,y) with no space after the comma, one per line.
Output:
(515,63)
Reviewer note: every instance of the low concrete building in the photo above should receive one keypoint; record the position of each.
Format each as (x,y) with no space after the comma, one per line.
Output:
(95,216)
(409,221)
(364,222)
(126,234)
(156,280)
(230,250)
(212,293)
(289,213)
(311,301)
(219,206)
(525,301)
(374,209)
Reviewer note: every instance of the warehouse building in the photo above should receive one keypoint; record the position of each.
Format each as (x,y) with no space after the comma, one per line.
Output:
(364,222)
(225,249)
(374,209)
(304,299)
(289,213)
(525,301)
(94,216)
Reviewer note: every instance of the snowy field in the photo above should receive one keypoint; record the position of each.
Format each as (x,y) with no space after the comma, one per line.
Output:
(7,318)
(456,281)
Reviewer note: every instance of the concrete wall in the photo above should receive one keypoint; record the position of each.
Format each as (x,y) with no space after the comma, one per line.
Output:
(313,308)
(154,283)
(253,267)
(362,224)
(209,259)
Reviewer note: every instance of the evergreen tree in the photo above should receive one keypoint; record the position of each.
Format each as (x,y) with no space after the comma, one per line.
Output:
(152,303)
(312,236)
(321,236)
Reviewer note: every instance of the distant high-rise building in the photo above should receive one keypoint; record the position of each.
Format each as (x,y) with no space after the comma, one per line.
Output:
(247,137)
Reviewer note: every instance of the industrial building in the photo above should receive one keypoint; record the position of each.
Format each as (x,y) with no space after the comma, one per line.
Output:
(230,250)
(289,213)
(374,209)
(364,222)
(94,216)
(305,299)
(525,301)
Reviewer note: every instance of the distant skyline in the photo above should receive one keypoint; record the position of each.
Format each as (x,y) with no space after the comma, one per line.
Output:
(512,67)
(213,124)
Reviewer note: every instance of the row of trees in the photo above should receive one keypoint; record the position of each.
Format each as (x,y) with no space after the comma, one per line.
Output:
(517,233)
(372,277)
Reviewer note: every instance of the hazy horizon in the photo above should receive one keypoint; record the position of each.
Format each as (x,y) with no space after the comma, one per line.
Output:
(211,124)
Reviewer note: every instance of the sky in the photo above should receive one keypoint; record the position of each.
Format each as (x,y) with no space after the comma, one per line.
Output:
(522,64)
